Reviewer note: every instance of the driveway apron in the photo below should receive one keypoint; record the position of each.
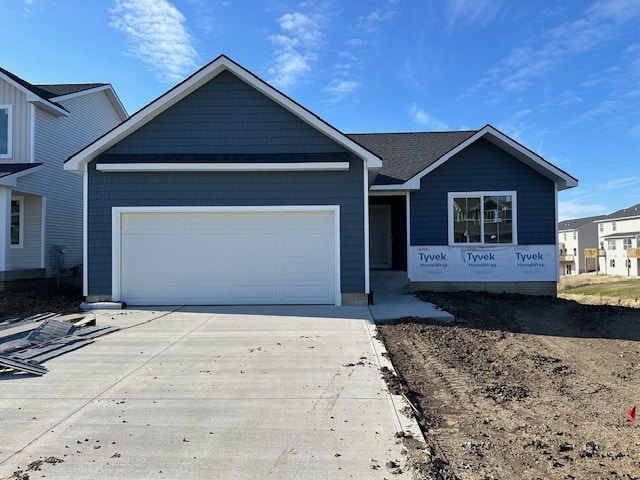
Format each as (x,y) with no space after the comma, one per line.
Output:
(209,392)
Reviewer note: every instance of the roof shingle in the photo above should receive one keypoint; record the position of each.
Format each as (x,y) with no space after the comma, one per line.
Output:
(404,155)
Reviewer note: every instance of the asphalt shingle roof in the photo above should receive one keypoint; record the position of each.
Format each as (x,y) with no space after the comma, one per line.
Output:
(67,88)
(632,211)
(7,169)
(47,92)
(406,154)
(576,223)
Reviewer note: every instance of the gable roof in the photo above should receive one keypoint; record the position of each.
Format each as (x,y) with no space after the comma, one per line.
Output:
(629,212)
(79,160)
(407,154)
(422,153)
(48,96)
(575,223)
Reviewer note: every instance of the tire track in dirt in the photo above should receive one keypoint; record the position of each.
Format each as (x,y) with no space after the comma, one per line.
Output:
(522,388)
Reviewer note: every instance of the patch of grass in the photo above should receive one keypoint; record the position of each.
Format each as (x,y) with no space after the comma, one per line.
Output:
(626,289)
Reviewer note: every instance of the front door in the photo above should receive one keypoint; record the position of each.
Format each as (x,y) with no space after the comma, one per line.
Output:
(380,236)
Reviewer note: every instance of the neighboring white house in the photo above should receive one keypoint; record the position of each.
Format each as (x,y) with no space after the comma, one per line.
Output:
(573,237)
(618,240)
(41,204)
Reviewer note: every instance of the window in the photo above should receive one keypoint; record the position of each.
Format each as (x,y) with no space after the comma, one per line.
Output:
(574,235)
(564,236)
(482,218)
(611,244)
(5,131)
(626,243)
(575,251)
(601,227)
(17,221)
(613,226)
(612,263)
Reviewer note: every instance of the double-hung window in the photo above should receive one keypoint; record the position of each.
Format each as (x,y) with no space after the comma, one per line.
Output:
(611,244)
(482,218)
(5,131)
(626,243)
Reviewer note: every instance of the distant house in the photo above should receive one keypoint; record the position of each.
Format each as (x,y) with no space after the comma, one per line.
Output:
(573,237)
(223,190)
(619,242)
(40,203)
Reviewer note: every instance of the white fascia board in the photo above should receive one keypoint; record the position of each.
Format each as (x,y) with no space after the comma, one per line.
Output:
(560,178)
(191,84)
(372,160)
(11,180)
(110,92)
(35,99)
(222,167)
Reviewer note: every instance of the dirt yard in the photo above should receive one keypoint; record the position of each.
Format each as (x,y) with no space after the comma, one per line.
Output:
(23,302)
(521,388)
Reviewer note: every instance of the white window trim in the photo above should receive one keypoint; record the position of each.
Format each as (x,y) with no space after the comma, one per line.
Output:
(20,200)
(9,153)
(514,217)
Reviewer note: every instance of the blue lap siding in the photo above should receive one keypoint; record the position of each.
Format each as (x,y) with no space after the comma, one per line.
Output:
(229,121)
(484,167)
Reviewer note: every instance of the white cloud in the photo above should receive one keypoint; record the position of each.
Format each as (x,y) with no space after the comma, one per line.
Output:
(471,12)
(426,120)
(524,65)
(339,89)
(296,45)
(622,182)
(157,35)
(576,209)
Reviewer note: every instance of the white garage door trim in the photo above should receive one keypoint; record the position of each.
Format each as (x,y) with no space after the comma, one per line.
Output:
(116,233)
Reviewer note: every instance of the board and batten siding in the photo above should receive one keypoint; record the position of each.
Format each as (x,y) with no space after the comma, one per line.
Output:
(56,139)
(483,166)
(20,122)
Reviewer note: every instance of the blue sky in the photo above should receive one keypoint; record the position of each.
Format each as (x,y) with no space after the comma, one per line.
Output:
(563,78)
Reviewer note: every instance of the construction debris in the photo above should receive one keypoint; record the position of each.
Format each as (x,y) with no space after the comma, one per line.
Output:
(26,343)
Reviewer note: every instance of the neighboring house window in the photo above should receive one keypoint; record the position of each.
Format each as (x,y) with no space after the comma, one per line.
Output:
(627,263)
(613,226)
(575,251)
(17,221)
(574,235)
(564,236)
(611,244)
(601,226)
(612,263)
(482,218)
(626,243)
(5,131)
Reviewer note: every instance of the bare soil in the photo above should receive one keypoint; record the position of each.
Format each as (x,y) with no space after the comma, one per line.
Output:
(27,301)
(521,388)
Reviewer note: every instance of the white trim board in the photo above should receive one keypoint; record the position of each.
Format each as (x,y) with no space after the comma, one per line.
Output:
(78,161)
(223,167)
(116,233)
(9,109)
(562,179)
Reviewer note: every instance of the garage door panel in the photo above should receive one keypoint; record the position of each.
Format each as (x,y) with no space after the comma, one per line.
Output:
(296,292)
(307,268)
(228,257)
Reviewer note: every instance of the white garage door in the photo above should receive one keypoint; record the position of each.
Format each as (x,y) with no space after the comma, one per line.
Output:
(224,258)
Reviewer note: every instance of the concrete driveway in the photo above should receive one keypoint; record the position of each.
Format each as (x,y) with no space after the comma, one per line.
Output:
(209,392)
